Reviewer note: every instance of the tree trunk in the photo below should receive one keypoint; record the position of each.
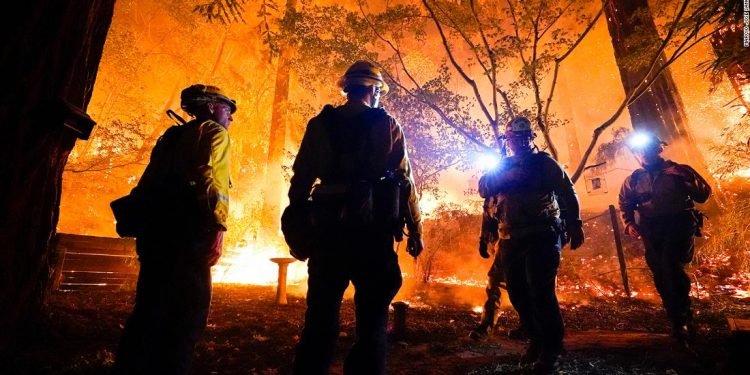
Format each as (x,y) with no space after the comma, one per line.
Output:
(273,189)
(50,56)
(659,109)
(727,40)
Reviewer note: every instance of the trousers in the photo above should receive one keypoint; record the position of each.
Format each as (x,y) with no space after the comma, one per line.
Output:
(367,260)
(670,244)
(171,309)
(530,263)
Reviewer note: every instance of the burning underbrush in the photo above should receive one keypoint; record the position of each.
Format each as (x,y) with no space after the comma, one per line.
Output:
(249,334)
(721,266)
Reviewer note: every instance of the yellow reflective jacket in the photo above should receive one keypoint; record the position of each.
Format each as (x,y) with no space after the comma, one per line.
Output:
(316,158)
(197,154)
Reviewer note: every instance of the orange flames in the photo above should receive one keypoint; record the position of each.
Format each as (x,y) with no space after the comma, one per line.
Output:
(251,264)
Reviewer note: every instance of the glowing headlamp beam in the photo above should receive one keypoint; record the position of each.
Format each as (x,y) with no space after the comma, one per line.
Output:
(487,161)
(639,141)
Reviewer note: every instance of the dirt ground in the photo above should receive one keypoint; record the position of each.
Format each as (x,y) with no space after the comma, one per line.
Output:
(249,334)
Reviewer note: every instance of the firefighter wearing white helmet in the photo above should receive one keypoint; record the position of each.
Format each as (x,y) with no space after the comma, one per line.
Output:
(538,213)
(365,197)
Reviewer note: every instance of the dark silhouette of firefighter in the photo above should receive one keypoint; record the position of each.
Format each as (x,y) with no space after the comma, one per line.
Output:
(663,194)
(184,201)
(365,197)
(489,245)
(538,212)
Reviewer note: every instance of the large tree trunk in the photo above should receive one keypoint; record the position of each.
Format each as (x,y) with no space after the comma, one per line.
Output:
(274,187)
(50,55)
(659,109)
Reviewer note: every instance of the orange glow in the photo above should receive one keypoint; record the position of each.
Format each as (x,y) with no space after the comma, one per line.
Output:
(251,264)
(154,50)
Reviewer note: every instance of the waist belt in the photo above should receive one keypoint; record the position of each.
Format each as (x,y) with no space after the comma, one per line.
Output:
(525,230)
(329,190)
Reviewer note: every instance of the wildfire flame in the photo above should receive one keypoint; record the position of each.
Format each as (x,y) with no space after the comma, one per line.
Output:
(252,264)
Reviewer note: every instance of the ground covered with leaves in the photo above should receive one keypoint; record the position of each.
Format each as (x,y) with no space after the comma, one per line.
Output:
(249,334)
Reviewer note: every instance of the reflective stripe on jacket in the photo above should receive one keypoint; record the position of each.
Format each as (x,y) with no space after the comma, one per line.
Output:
(198,156)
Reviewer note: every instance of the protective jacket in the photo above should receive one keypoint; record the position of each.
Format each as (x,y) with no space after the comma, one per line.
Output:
(321,157)
(664,189)
(525,189)
(191,162)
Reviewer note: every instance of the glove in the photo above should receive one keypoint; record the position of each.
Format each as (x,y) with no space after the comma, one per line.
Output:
(633,230)
(575,233)
(208,247)
(483,250)
(414,244)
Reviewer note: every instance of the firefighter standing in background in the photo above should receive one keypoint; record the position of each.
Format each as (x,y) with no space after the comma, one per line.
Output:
(187,185)
(533,230)
(663,193)
(351,149)
(489,245)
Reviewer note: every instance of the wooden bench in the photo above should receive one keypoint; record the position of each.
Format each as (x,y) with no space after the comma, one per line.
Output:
(94,263)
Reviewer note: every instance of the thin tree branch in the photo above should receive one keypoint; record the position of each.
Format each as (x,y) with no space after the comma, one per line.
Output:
(565,55)
(557,18)
(466,38)
(93,167)
(493,63)
(457,66)
(537,90)
(504,95)
(410,92)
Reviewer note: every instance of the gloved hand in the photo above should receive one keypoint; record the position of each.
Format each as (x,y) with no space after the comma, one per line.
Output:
(575,233)
(414,244)
(483,250)
(633,230)
(208,247)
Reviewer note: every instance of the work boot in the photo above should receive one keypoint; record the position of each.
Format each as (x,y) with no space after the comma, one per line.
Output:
(680,332)
(480,332)
(532,353)
(517,333)
(546,364)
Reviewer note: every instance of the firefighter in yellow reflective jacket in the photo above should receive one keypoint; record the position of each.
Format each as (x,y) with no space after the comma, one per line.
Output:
(187,185)
(358,152)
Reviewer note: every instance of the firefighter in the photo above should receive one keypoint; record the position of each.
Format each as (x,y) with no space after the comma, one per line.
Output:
(352,149)
(489,245)
(663,193)
(533,229)
(186,184)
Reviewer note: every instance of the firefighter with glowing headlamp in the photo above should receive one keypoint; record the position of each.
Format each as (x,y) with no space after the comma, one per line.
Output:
(663,193)
(530,189)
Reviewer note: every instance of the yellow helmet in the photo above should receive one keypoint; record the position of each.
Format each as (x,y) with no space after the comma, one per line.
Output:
(199,94)
(363,73)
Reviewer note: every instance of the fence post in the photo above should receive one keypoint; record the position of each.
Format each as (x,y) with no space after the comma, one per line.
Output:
(620,252)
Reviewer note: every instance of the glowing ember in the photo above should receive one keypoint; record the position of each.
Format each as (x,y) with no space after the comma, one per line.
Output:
(456,281)
(251,264)
(477,309)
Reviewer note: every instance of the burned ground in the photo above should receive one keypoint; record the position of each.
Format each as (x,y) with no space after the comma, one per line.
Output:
(249,334)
